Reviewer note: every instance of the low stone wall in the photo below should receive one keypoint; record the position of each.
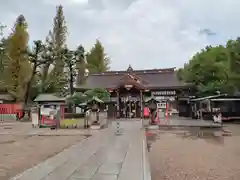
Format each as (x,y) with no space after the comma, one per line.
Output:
(8,117)
(80,120)
(72,123)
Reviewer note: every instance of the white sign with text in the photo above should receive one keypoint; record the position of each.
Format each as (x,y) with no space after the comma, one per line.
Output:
(164,93)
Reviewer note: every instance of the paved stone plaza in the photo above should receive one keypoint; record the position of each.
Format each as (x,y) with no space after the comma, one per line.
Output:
(104,156)
(187,122)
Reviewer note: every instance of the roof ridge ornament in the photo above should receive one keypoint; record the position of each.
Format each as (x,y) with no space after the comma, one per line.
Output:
(130,69)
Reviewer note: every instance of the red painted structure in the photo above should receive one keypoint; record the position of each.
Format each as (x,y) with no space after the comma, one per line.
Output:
(9,108)
(45,121)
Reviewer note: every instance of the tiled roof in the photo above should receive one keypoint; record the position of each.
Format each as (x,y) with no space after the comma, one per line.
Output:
(48,98)
(152,78)
(6,97)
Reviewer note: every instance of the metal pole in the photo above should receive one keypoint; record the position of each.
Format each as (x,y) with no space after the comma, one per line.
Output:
(117,126)
(130,106)
(118,103)
(1,118)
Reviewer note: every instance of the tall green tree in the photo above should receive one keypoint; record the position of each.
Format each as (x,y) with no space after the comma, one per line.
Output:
(100,93)
(233,48)
(56,42)
(18,69)
(2,53)
(81,64)
(70,72)
(208,70)
(37,58)
(97,59)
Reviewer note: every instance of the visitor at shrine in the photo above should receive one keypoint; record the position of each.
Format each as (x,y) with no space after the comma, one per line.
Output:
(146,112)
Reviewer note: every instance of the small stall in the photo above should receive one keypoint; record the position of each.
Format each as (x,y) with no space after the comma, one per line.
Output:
(50,110)
(204,107)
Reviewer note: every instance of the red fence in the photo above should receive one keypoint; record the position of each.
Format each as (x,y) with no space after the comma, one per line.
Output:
(9,108)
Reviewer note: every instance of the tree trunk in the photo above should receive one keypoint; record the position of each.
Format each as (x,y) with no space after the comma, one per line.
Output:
(71,88)
(25,115)
(44,75)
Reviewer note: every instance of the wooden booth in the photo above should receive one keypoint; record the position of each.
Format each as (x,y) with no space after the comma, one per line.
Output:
(206,107)
(50,110)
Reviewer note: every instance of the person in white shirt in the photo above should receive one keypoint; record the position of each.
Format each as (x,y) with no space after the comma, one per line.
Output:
(217,118)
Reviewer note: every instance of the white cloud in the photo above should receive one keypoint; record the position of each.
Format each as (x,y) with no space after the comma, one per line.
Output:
(144,33)
(65,2)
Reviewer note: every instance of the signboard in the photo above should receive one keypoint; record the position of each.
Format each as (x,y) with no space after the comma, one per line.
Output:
(164,93)
(169,98)
(127,98)
(128,86)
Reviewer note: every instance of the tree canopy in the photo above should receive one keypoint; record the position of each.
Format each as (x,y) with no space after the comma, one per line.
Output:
(56,43)
(47,66)
(99,93)
(214,69)
(97,59)
(17,66)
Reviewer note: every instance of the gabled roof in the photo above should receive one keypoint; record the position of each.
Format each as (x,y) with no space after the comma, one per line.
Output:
(6,97)
(128,79)
(49,98)
(209,97)
(152,78)
(134,77)
(152,98)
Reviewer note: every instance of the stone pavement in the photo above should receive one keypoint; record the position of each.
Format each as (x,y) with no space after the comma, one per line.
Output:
(104,156)
(185,122)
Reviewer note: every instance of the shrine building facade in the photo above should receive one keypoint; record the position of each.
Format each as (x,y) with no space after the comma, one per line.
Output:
(129,89)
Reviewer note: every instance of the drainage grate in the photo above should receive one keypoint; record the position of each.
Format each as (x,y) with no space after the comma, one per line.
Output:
(7,128)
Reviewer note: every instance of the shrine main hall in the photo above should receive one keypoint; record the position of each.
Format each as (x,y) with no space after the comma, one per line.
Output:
(130,89)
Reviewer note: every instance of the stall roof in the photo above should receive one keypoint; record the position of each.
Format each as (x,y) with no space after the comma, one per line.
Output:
(209,97)
(226,99)
(49,98)
(6,97)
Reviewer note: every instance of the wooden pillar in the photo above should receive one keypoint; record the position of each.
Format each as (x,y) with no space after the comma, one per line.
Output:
(141,103)
(118,104)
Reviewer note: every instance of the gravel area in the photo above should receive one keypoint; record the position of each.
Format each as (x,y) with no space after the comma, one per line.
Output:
(185,156)
(19,150)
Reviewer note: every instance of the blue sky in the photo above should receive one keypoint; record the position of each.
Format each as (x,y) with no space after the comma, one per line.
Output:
(143,33)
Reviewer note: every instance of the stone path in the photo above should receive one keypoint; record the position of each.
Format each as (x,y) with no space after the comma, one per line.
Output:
(104,156)
(176,121)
